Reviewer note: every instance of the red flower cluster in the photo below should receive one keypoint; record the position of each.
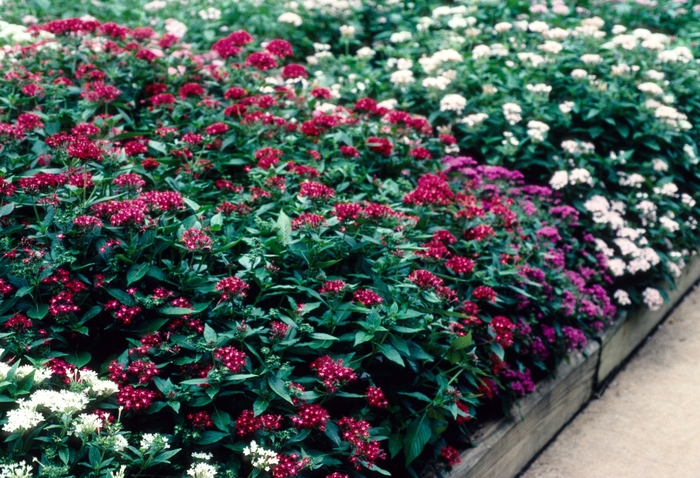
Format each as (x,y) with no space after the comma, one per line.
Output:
(366,451)
(247,422)
(135,398)
(231,358)
(311,416)
(503,328)
(333,374)
(375,397)
(367,297)
(231,287)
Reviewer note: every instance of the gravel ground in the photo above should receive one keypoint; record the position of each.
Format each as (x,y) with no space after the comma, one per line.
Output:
(647,423)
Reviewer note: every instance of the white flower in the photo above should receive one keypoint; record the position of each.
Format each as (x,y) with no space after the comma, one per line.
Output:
(620,69)
(503,27)
(591,59)
(576,148)
(438,83)
(596,22)
(29,20)
(290,17)
(400,37)
(453,102)
(512,113)
(650,88)
(579,74)
(489,89)
(119,474)
(628,42)
(120,443)
(659,165)
(431,63)
(669,224)
(556,34)
(538,27)
(175,27)
(601,246)
(424,23)
(618,29)
(537,130)
(210,13)
(551,47)
(260,457)
(16,470)
(559,180)
(622,297)
(21,419)
(155,5)
(566,107)
(481,51)
(365,52)
(688,200)
(655,75)
(402,77)
(680,54)
(474,120)
(668,189)
(202,470)
(603,212)
(457,21)
(64,401)
(347,31)
(155,440)
(616,266)
(198,455)
(634,180)
(85,424)
(534,59)
(580,176)
(539,89)
(652,298)
(388,104)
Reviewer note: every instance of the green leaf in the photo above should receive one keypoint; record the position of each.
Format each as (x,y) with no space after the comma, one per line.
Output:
(260,405)
(208,437)
(216,221)
(221,419)
(7,209)
(79,359)
(462,342)
(362,337)
(319,336)
(278,386)
(391,353)
(191,204)
(136,272)
(38,312)
(498,350)
(284,228)
(417,437)
(24,291)
(121,296)
(209,334)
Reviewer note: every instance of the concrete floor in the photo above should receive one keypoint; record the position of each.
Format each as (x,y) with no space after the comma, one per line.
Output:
(647,423)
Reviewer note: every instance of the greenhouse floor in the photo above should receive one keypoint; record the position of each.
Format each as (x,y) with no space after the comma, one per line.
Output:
(647,421)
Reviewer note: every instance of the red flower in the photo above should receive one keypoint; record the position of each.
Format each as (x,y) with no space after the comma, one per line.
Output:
(314,190)
(375,397)
(333,374)
(311,416)
(191,89)
(486,293)
(451,455)
(333,287)
(231,287)
(460,265)
(200,420)
(231,358)
(294,71)
(279,48)
(261,60)
(367,297)
(135,398)
(379,145)
(421,153)
(308,219)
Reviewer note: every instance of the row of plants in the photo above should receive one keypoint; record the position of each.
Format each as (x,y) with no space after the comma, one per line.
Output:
(223,260)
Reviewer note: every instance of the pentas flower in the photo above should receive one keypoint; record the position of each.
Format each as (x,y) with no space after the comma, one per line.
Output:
(294,71)
(196,240)
(81,180)
(200,420)
(460,265)
(366,451)
(135,398)
(431,189)
(333,374)
(247,422)
(289,466)
(263,61)
(232,287)
(479,233)
(308,220)
(311,416)
(29,121)
(123,312)
(231,45)
(98,92)
(314,190)
(347,211)
(18,323)
(216,128)
(349,152)
(333,287)
(163,201)
(503,329)
(231,358)
(379,145)
(420,153)
(191,89)
(425,280)
(485,293)
(451,455)
(278,330)
(145,370)
(279,48)
(129,181)
(375,397)
(367,297)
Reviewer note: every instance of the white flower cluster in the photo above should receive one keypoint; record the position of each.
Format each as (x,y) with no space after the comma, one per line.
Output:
(201,469)
(537,131)
(652,298)
(622,297)
(577,148)
(650,89)
(210,13)
(95,386)
(436,83)
(291,18)
(402,78)
(634,180)
(474,120)
(16,470)
(512,113)
(155,5)
(260,457)
(605,212)
(400,37)
(539,89)
(453,102)
(85,424)
(431,63)
(154,441)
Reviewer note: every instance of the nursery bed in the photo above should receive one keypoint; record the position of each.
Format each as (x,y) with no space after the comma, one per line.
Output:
(504,447)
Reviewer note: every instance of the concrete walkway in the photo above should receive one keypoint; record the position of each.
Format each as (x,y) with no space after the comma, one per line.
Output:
(647,423)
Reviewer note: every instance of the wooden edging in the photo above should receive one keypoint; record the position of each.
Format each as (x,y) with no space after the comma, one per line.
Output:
(505,447)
